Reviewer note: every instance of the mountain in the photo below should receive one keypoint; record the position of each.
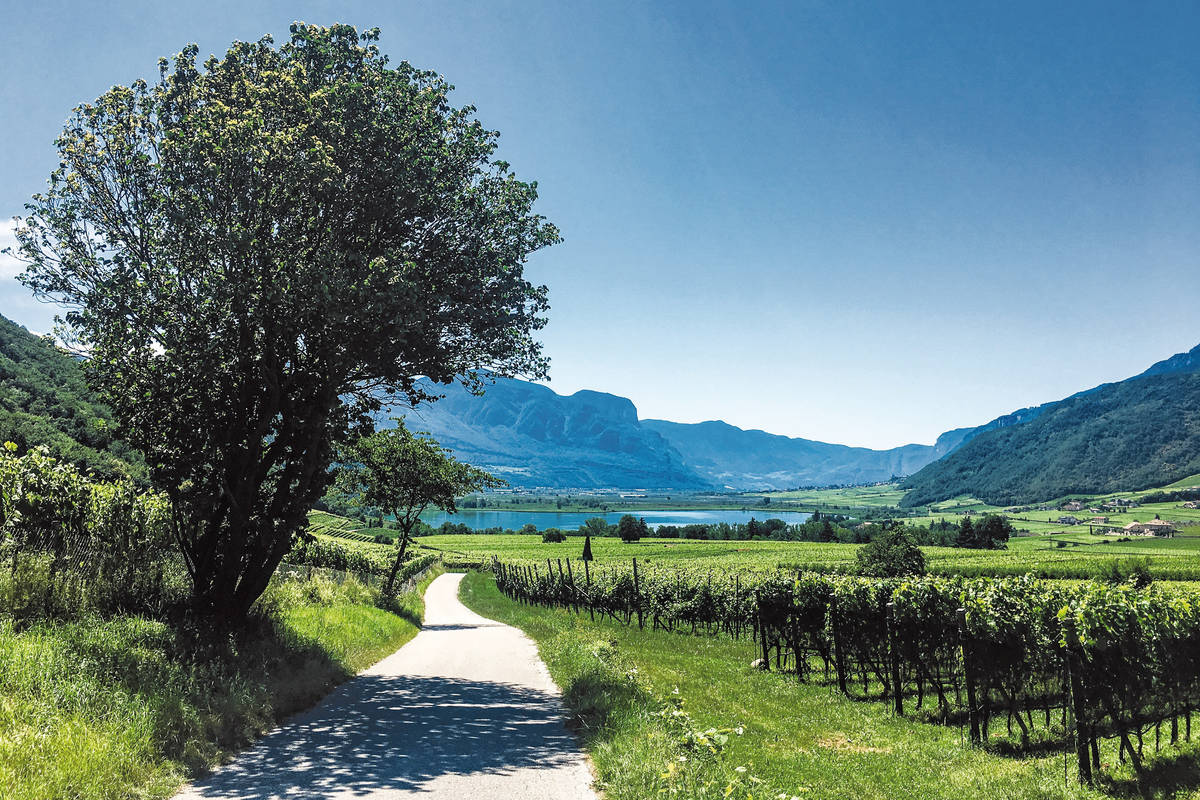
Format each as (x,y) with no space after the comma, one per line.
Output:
(752,459)
(1129,435)
(531,436)
(45,401)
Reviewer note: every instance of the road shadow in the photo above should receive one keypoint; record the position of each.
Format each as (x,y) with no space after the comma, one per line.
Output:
(388,733)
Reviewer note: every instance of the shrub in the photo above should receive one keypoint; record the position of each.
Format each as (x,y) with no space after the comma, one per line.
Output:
(894,553)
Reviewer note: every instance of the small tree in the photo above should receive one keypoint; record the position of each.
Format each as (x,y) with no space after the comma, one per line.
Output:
(993,531)
(966,534)
(628,528)
(587,548)
(595,526)
(553,535)
(893,553)
(404,474)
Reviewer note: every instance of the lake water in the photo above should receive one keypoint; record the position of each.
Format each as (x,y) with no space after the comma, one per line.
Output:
(482,518)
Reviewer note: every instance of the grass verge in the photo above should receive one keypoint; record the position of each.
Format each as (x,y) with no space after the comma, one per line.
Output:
(129,707)
(670,715)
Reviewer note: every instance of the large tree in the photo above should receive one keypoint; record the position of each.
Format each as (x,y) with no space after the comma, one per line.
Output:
(257,251)
(405,473)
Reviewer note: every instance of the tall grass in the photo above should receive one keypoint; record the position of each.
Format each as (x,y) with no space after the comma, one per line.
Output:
(127,706)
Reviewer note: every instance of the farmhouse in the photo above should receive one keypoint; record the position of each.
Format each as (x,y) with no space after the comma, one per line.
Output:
(1155,527)
(1074,505)
(1068,520)
(1192,504)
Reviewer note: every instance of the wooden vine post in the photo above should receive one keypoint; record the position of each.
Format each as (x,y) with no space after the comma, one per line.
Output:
(587,577)
(637,595)
(964,641)
(894,658)
(571,581)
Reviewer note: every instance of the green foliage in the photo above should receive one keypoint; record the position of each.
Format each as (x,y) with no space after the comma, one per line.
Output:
(893,554)
(44,401)
(1133,652)
(798,739)
(256,251)
(991,532)
(1125,436)
(107,709)
(71,544)
(553,535)
(631,528)
(1133,570)
(404,474)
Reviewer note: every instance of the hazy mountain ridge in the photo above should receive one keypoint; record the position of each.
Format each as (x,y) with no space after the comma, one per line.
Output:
(754,459)
(531,436)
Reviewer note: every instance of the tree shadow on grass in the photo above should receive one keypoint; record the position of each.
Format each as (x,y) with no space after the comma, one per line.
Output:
(1165,775)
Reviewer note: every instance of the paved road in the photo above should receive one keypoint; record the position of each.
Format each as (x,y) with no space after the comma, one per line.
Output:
(466,710)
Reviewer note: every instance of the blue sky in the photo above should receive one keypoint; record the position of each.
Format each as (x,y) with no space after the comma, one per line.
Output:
(860,223)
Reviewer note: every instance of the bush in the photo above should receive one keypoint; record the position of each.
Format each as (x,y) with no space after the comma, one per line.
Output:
(553,535)
(1131,570)
(892,554)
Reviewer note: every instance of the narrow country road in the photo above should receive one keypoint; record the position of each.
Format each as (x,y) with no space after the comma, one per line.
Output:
(465,710)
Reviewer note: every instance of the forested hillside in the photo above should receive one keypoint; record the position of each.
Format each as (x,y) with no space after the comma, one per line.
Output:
(45,401)
(1130,435)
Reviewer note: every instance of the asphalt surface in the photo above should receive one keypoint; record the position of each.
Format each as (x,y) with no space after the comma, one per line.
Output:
(465,710)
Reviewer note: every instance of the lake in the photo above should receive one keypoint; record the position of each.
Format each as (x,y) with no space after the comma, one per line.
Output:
(481,518)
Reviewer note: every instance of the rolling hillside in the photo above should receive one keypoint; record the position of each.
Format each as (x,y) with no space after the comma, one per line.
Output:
(1131,435)
(45,401)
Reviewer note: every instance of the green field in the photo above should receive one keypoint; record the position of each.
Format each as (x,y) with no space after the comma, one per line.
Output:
(1173,559)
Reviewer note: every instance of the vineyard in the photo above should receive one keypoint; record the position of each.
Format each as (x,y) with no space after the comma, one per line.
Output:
(1018,662)
(1085,557)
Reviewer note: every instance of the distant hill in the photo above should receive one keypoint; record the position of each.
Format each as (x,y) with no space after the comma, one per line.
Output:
(45,401)
(751,459)
(531,436)
(1130,435)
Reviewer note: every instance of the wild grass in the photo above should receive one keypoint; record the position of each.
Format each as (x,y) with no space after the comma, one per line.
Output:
(129,707)
(797,741)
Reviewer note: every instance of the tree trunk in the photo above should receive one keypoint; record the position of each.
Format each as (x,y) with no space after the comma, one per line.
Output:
(391,581)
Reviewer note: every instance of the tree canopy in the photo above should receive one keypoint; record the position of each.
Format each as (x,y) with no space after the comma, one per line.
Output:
(893,554)
(405,473)
(257,251)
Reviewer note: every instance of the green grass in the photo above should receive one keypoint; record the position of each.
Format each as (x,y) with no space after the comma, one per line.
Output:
(130,707)
(798,741)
